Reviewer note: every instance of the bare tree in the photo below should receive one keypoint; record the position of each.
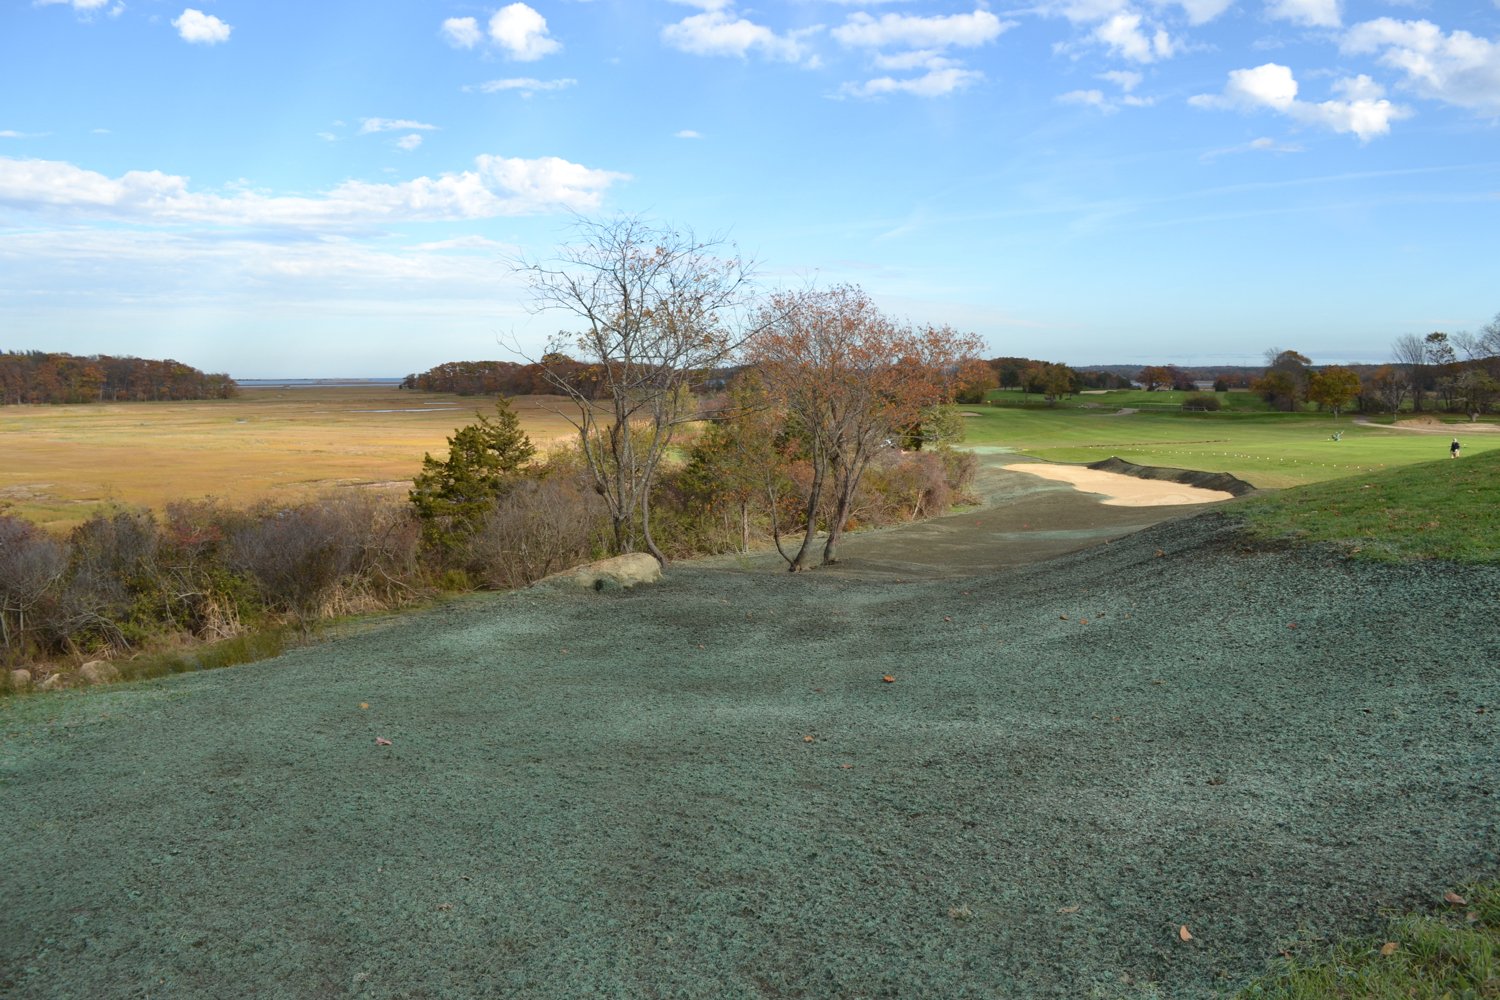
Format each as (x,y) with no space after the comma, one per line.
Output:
(851,378)
(660,308)
(1409,354)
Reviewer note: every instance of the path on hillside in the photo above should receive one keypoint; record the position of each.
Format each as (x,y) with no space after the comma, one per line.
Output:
(1021,519)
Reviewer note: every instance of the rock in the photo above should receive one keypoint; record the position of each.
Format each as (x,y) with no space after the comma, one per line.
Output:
(52,682)
(99,672)
(20,680)
(619,573)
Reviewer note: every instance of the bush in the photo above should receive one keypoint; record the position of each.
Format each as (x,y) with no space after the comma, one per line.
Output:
(296,555)
(542,526)
(1201,402)
(31,574)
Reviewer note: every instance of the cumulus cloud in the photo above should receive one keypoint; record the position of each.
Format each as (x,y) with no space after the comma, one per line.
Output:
(368,125)
(1312,13)
(461,32)
(525,85)
(1125,35)
(200,28)
(1457,68)
(497,186)
(1126,80)
(1203,11)
(906,30)
(921,44)
(409,142)
(718,31)
(1362,109)
(522,33)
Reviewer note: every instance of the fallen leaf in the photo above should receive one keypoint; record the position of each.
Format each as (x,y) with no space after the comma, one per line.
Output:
(1455,899)
(1291,625)
(1069,909)
(381,741)
(1160,554)
(947,619)
(888,679)
(1062,617)
(364,704)
(1388,949)
(445,906)
(845,767)
(1184,933)
(1083,621)
(807,739)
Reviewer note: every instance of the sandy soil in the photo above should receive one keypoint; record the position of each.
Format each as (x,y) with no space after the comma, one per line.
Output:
(1432,425)
(1119,490)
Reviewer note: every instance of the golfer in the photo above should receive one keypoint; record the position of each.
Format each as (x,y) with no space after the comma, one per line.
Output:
(1453,448)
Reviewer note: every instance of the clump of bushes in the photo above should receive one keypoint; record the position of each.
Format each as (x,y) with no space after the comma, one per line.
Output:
(205,583)
(1202,402)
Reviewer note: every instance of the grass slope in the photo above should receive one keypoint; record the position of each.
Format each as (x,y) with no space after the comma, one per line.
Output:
(1436,510)
(705,788)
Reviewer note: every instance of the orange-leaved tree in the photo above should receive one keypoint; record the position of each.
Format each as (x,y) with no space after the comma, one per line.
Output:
(849,379)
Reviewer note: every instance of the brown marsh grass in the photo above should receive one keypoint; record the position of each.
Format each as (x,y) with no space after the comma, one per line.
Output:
(58,464)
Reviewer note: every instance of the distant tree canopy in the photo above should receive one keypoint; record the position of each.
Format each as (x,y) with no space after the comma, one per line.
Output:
(42,377)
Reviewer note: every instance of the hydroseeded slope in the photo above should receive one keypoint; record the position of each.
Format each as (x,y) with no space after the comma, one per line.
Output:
(612,794)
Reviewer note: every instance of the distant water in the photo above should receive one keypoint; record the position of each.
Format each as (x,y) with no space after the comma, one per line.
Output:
(312,383)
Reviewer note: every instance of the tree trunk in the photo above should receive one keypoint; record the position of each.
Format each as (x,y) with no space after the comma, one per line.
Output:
(810,521)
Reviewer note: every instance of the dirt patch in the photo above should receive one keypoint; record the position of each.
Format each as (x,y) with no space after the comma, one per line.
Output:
(706,788)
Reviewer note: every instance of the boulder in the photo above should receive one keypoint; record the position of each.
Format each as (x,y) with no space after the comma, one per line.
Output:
(20,680)
(99,672)
(52,682)
(618,573)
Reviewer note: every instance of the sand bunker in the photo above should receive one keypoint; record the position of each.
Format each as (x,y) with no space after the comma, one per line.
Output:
(1120,490)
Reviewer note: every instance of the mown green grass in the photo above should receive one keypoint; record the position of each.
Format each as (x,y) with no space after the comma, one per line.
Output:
(1236,401)
(1441,956)
(1265,449)
(1434,510)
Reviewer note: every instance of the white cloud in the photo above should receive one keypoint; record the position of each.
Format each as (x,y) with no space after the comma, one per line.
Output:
(1126,80)
(907,30)
(497,186)
(1203,11)
(688,133)
(1458,68)
(461,32)
(1264,144)
(522,33)
(1088,98)
(1125,37)
(1313,13)
(75,4)
(368,125)
(720,32)
(1363,111)
(525,85)
(409,142)
(200,28)
(938,82)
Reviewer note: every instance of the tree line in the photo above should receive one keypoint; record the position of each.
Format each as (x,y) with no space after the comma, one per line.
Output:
(42,377)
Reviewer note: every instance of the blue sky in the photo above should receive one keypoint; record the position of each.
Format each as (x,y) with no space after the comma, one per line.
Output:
(334,188)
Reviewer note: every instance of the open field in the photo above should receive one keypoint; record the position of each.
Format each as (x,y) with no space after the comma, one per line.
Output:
(1268,450)
(704,788)
(62,462)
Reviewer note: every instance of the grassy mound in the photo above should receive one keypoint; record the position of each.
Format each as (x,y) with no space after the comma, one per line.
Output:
(1436,510)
